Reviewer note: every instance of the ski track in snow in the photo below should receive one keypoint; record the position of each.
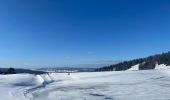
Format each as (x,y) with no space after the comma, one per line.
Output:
(123,85)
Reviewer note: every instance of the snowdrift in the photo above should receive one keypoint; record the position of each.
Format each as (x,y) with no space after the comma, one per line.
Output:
(87,86)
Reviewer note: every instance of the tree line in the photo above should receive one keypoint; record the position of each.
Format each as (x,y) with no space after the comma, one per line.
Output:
(8,71)
(145,63)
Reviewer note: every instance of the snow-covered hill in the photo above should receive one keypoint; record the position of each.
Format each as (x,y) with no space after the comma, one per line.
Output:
(122,85)
(135,67)
(162,66)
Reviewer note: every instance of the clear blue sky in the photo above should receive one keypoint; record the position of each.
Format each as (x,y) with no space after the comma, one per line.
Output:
(36,33)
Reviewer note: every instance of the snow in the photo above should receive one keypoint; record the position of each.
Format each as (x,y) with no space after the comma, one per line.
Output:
(135,67)
(121,85)
(162,66)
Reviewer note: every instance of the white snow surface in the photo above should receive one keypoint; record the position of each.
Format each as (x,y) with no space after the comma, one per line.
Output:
(162,66)
(122,85)
(135,67)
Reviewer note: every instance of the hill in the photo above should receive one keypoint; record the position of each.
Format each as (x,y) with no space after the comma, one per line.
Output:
(144,63)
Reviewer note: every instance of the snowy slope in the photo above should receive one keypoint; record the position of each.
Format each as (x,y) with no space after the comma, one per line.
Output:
(135,67)
(122,85)
(162,66)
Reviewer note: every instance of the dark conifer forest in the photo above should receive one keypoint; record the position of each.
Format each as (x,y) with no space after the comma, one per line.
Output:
(145,63)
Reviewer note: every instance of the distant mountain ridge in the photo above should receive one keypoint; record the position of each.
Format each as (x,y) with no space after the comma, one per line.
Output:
(67,69)
(83,67)
(144,63)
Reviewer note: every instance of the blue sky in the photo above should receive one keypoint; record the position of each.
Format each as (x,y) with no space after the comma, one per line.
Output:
(36,33)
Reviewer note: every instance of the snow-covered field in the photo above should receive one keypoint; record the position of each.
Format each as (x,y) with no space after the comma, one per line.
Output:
(122,85)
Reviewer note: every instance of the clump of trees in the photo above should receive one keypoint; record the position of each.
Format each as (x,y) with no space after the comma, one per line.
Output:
(9,71)
(1,72)
(145,63)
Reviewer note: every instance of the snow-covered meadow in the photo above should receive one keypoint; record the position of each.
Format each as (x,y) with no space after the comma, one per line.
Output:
(121,85)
